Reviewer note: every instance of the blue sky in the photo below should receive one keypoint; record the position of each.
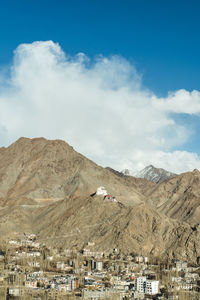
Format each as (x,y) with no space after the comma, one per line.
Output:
(160,39)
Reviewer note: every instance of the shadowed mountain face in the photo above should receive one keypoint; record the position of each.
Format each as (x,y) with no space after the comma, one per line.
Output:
(46,187)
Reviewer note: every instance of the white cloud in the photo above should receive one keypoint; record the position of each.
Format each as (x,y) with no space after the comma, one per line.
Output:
(180,101)
(175,161)
(100,107)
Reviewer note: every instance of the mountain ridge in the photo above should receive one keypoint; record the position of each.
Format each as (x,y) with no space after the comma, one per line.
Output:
(46,188)
(151,173)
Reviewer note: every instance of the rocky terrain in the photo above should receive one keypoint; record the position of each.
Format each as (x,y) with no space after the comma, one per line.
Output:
(47,188)
(179,197)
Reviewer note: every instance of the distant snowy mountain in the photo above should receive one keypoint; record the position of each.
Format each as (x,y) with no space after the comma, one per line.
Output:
(151,173)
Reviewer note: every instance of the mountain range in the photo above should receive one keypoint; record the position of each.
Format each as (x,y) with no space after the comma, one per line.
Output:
(49,189)
(151,173)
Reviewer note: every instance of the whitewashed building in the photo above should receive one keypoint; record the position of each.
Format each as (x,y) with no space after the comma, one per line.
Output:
(151,287)
(140,285)
(147,286)
(99,265)
(101,191)
(181,265)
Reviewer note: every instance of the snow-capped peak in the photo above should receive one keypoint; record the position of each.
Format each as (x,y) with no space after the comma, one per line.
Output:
(151,173)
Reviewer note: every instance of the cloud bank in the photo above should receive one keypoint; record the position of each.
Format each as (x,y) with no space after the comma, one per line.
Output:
(99,107)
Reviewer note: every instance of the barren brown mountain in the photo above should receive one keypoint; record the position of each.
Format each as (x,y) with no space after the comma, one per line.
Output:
(46,188)
(179,197)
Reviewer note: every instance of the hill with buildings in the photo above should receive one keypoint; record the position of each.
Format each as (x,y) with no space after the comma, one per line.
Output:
(49,189)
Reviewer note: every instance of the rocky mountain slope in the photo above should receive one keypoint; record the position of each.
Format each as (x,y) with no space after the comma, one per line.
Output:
(51,170)
(137,229)
(140,184)
(47,188)
(179,197)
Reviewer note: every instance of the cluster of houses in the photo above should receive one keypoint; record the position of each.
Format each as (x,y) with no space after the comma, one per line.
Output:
(29,268)
(66,283)
(28,240)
